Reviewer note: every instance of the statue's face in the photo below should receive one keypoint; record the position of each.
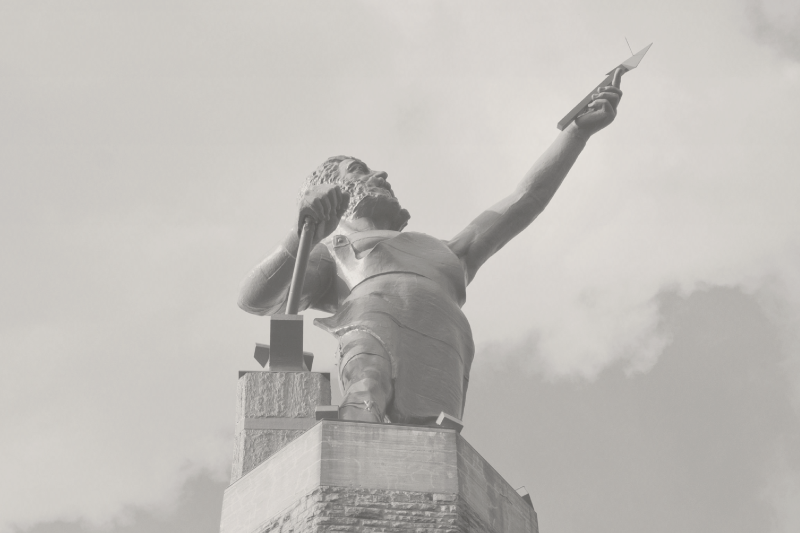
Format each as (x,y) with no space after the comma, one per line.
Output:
(374,182)
(371,196)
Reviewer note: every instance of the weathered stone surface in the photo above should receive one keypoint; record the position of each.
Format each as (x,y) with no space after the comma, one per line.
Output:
(253,446)
(346,476)
(273,396)
(275,485)
(389,457)
(363,510)
(281,394)
(485,492)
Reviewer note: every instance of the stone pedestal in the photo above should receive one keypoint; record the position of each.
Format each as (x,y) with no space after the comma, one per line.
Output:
(272,410)
(361,477)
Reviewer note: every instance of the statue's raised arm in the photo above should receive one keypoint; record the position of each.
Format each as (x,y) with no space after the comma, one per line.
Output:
(503,221)
(405,345)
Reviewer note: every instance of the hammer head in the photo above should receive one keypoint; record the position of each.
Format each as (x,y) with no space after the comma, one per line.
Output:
(285,354)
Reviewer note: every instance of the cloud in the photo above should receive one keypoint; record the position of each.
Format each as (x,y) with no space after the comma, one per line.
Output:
(777,24)
(783,493)
(196,510)
(689,189)
(151,155)
(106,399)
(709,430)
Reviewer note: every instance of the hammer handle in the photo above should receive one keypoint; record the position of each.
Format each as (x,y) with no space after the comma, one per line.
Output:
(299,274)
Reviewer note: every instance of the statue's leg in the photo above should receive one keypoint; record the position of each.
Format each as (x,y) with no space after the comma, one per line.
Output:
(366,379)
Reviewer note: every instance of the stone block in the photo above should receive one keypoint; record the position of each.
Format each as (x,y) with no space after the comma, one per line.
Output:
(273,409)
(449,422)
(359,477)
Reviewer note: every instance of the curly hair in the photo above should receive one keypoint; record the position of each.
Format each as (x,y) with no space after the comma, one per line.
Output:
(328,172)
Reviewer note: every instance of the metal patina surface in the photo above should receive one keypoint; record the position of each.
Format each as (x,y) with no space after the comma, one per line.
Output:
(395,297)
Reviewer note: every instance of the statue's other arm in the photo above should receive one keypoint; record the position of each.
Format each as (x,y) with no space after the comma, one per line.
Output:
(485,235)
(266,288)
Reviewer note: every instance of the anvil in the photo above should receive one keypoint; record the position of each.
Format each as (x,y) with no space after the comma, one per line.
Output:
(612,78)
(286,351)
(286,331)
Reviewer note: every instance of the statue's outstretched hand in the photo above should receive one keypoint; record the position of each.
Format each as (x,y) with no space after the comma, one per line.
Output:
(325,204)
(602,111)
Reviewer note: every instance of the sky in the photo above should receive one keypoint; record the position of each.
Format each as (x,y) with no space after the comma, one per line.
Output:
(638,355)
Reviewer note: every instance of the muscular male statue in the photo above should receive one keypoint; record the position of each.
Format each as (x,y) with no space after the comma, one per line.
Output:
(395,298)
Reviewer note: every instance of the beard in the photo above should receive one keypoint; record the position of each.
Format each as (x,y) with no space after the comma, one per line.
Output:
(373,203)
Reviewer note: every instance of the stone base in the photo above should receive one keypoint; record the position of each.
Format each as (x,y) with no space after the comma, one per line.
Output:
(359,477)
(272,410)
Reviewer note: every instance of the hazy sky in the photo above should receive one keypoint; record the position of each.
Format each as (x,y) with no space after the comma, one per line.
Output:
(638,361)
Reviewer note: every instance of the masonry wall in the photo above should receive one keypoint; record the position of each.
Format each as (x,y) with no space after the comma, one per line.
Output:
(272,410)
(333,509)
(359,477)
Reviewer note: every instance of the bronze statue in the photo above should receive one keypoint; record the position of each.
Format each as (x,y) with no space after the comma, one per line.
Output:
(396,297)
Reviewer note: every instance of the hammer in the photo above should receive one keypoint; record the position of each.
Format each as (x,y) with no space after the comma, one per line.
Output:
(286,331)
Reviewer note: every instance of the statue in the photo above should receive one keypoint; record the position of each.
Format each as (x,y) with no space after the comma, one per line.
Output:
(405,346)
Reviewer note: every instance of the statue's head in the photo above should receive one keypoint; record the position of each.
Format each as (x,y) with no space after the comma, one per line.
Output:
(370,193)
